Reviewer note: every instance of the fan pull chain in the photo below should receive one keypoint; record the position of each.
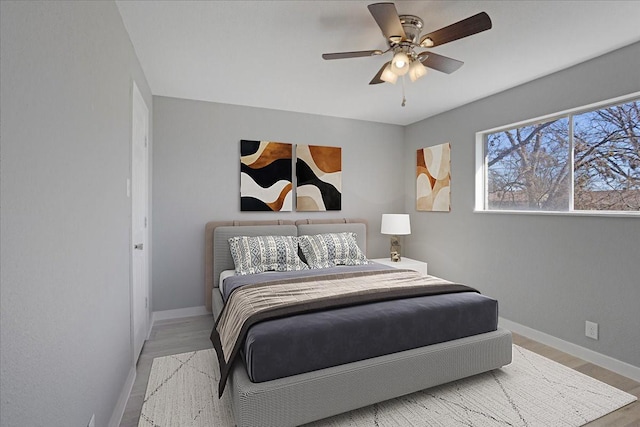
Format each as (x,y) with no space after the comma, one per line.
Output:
(404,100)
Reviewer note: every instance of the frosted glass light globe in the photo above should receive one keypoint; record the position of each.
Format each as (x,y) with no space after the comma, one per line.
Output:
(400,63)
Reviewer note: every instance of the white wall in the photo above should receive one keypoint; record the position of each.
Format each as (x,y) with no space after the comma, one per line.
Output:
(66,74)
(550,273)
(196,179)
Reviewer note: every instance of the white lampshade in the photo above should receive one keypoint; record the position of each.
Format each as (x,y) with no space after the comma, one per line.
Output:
(416,70)
(388,75)
(400,63)
(395,224)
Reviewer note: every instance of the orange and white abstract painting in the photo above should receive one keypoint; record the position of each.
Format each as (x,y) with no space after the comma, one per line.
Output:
(266,176)
(433,181)
(319,175)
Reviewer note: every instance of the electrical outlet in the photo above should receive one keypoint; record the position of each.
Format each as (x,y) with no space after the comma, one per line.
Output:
(591,329)
(92,421)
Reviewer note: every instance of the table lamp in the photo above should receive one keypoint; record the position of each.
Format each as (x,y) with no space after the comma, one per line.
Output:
(395,225)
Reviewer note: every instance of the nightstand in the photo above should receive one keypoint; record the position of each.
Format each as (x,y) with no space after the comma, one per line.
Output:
(406,263)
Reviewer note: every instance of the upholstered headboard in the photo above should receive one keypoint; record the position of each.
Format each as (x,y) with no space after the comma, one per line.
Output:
(217,234)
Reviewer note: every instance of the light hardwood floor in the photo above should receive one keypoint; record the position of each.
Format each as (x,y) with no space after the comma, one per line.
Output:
(192,333)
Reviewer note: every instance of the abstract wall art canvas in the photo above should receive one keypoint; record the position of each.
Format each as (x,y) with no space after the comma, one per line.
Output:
(433,180)
(319,175)
(266,176)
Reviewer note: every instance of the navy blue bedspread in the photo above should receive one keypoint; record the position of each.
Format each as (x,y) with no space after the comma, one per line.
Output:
(302,343)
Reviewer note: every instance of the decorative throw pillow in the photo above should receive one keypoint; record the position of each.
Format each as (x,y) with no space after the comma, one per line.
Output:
(252,255)
(329,250)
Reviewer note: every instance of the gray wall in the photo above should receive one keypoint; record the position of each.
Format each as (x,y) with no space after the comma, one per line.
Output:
(66,74)
(550,273)
(196,179)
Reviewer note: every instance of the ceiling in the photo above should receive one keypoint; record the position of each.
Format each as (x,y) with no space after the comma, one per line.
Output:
(268,53)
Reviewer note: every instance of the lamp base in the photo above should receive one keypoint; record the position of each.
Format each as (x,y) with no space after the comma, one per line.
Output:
(395,249)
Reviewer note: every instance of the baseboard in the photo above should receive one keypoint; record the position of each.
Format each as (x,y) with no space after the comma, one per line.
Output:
(178,313)
(591,356)
(121,404)
(150,326)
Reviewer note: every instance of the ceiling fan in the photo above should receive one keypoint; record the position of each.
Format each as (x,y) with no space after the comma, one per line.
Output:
(402,33)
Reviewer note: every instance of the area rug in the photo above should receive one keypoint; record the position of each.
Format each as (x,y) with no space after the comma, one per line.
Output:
(531,391)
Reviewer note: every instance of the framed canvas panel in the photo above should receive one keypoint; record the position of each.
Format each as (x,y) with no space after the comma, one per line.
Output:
(433,178)
(319,176)
(266,176)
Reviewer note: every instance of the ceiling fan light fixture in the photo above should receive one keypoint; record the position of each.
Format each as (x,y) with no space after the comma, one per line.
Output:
(402,34)
(388,75)
(416,70)
(400,63)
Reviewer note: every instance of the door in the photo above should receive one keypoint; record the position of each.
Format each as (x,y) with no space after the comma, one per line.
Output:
(139,219)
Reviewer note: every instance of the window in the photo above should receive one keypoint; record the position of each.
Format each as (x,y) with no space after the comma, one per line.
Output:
(586,160)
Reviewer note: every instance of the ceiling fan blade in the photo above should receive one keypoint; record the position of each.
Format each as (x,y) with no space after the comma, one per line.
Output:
(376,79)
(467,27)
(386,17)
(441,63)
(358,54)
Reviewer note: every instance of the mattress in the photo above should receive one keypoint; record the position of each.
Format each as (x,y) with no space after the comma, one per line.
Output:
(307,342)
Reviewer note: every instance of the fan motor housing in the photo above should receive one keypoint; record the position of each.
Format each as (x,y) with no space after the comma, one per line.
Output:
(412,26)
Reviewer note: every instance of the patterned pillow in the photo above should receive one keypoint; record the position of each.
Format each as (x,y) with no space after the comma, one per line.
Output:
(252,255)
(329,250)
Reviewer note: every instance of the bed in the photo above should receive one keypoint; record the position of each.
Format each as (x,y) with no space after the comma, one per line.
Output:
(305,397)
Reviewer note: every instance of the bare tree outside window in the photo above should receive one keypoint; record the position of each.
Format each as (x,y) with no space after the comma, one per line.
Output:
(607,158)
(530,167)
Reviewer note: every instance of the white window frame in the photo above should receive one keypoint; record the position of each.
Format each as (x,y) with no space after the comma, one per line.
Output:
(481,176)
